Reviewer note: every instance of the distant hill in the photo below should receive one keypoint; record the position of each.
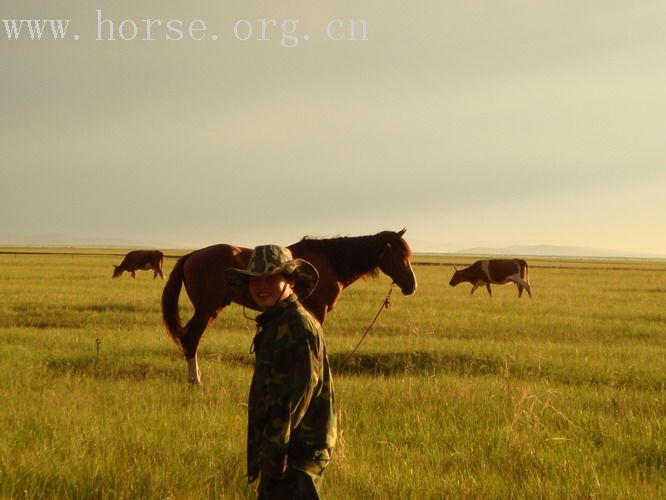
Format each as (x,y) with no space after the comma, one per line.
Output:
(556,251)
(69,240)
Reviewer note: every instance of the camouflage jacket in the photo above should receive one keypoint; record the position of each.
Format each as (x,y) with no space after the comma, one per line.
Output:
(291,408)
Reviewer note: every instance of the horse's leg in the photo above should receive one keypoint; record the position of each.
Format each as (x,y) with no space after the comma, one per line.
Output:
(133,276)
(489,290)
(193,372)
(473,289)
(190,342)
(529,290)
(320,313)
(523,284)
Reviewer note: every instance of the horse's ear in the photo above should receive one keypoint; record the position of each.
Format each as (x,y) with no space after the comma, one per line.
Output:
(399,234)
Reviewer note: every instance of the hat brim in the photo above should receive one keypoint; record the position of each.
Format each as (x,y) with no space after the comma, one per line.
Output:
(303,273)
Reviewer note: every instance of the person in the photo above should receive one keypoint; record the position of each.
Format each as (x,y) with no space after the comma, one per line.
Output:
(292,424)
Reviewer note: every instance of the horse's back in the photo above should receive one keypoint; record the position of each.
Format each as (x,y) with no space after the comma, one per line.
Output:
(208,264)
(204,274)
(325,295)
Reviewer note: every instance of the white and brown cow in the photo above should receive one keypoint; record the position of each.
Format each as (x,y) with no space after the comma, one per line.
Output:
(141,260)
(495,271)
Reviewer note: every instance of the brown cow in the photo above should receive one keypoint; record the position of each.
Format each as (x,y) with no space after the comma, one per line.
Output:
(496,271)
(141,260)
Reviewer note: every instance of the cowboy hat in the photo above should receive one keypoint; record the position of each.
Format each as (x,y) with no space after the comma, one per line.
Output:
(267,260)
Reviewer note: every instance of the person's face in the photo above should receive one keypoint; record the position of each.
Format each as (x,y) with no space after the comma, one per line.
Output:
(269,290)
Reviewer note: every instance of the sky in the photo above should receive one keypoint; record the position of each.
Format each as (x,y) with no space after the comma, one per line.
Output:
(480,123)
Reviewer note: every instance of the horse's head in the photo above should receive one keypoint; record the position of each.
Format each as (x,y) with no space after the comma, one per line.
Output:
(117,271)
(394,261)
(457,277)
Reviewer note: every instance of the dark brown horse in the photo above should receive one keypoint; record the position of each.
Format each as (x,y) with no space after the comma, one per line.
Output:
(340,262)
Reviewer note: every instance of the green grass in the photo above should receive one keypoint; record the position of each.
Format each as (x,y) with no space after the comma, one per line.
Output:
(449,396)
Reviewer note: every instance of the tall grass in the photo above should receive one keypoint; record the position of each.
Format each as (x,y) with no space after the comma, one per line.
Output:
(450,396)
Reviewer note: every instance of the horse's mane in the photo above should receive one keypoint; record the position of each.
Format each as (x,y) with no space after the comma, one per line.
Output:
(352,256)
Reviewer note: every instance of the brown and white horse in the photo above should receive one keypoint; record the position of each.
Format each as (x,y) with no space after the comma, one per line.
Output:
(340,262)
(141,260)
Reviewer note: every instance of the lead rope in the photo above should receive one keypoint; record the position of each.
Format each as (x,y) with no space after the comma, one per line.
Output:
(340,405)
(385,305)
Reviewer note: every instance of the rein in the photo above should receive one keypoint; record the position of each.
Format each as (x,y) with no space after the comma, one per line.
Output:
(385,305)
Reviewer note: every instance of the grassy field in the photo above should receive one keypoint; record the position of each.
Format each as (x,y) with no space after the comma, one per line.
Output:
(450,396)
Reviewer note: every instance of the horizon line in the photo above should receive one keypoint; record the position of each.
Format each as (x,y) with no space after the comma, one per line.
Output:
(470,252)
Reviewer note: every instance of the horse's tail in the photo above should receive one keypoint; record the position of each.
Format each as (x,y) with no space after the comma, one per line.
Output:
(170,295)
(524,271)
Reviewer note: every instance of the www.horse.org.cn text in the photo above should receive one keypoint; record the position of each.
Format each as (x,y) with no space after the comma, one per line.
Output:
(287,33)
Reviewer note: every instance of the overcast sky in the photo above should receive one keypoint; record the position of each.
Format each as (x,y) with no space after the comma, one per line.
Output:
(480,123)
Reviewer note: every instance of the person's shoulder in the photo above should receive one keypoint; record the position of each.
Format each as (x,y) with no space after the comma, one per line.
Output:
(301,320)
